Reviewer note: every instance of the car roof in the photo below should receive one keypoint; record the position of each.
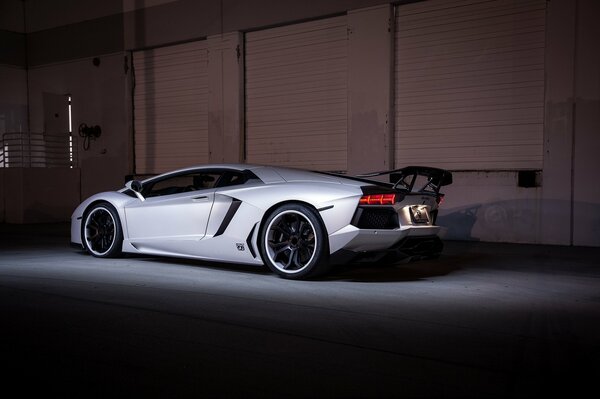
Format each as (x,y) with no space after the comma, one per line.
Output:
(269,174)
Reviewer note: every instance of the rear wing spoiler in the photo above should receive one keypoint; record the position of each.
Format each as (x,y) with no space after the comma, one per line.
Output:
(408,176)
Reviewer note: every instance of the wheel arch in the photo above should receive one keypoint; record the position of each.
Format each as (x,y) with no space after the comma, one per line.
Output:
(299,202)
(102,201)
(280,203)
(317,264)
(115,249)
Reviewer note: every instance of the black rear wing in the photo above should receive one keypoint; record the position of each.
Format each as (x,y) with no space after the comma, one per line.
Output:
(407,177)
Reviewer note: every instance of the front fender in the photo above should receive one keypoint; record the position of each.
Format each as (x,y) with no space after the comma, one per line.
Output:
(116,199)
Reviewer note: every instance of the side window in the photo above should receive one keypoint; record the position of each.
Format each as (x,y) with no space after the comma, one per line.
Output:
(197,180)
(201,181)
(232,179)
(181,183)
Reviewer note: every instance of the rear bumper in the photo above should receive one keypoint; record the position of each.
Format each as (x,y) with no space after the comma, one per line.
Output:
(352,244)
(408,248)
(354,239)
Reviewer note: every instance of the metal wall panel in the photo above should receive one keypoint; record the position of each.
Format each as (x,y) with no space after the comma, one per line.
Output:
(296,95)
(470,84)
(171,107)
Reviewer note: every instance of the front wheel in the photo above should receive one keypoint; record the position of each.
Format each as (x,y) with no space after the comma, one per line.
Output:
(101,231)
(293,242)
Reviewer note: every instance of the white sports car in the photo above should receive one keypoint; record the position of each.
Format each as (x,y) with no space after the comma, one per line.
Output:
(294,221)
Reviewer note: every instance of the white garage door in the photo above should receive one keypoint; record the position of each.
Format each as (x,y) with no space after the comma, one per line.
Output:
(470,84)
(171,107)
(296,95)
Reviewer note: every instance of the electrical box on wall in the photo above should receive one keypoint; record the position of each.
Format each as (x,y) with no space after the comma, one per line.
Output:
(529,178)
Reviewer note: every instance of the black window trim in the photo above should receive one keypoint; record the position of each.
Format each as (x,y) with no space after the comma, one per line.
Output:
(246,173)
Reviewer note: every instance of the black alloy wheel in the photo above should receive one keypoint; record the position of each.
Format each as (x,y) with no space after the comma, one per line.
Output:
(102,235)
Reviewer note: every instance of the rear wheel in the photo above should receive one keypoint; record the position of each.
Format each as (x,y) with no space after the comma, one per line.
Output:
(101,231)
(293,242)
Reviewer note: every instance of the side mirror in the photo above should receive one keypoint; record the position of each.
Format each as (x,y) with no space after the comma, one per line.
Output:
(136,187)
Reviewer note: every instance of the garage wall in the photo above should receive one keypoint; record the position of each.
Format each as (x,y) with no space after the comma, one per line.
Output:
(98,98)
(3,196)
(226,98)
(40,195)
(564,209)
(13,99)
(13,63)
(586,162)
(13,118)
(170,107)
(489,206)
(370,116)
(13,82)
(470,84)
(296,95)
(153,25)
(12,16)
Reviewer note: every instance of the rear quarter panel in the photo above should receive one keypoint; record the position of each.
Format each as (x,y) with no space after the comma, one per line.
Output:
(335,202)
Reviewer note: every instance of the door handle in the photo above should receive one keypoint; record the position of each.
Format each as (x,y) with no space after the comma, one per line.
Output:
(200,199)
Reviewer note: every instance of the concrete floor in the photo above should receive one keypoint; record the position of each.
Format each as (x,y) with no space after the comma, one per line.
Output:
(484,320)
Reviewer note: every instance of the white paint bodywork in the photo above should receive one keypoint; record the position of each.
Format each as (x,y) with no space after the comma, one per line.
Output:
(185,224)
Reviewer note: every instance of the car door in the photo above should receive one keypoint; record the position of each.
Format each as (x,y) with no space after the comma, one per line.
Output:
(174,215)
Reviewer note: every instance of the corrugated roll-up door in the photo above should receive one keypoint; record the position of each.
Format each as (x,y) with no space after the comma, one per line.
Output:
(171,107)
(296,95)
(470,84)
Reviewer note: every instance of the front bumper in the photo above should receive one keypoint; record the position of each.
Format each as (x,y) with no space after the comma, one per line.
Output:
(76,230)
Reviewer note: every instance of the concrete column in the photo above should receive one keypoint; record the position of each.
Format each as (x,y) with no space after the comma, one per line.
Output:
(226,98)
(370,89)
(555,211)
(586,159)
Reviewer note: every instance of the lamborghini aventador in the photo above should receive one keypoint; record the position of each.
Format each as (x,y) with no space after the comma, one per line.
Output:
(296,222)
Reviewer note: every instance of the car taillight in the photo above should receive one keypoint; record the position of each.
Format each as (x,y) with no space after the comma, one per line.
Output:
(378,199)
(440,199)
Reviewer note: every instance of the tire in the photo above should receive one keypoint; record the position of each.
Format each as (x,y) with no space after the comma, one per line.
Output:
(101,232)
(293,242)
